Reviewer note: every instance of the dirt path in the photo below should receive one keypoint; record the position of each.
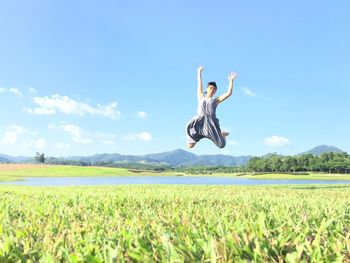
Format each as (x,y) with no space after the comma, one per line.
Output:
(9,167)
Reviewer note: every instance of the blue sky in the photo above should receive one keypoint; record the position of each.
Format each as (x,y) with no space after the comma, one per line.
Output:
(85,77)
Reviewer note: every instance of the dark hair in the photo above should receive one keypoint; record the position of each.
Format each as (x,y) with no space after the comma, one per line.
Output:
(213,83)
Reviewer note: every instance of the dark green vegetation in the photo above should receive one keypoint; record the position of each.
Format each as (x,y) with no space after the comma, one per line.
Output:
(39,157)
(326,162)
(175,224)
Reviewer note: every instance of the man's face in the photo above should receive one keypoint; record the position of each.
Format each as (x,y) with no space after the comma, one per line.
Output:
(211,90)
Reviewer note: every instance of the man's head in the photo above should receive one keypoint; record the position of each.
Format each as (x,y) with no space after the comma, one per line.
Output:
(211,88)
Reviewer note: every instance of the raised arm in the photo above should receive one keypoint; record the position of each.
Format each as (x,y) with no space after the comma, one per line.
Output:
(199,79)
(228,93)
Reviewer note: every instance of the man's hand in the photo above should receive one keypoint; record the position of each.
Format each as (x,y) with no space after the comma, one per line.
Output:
(232,76)
(200,69)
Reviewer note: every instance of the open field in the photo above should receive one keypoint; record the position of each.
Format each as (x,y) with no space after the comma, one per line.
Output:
(175,224)
(13,172)
(12,167)
(19,171)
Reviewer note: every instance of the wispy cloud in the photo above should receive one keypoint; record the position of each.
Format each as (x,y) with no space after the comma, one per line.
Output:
(40,111)
(248,92)
(53,126)
(15,137)
(104,138)
(143,136)
(77,134)
(276,141)
(61,145)
(32,90)
(40,143)
(57,103)
(11,135)
(141,114)
(16,92)
(109,142)
(232,142)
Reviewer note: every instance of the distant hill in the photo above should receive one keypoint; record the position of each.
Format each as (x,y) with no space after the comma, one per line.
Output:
(268,155)
(318,150)
(176,158)
(4,160)
(14,159)
(173,158)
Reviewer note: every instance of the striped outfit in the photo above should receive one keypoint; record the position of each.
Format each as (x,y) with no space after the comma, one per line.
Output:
(205,124)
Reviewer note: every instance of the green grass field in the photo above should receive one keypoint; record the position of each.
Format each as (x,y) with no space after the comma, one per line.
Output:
(77,171)
(175,224)
(69,170)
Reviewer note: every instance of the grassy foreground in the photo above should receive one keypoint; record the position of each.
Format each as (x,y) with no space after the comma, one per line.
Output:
(158,223)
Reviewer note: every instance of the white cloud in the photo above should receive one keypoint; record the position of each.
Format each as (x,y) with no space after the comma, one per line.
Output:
(52,126)
(40,111)
(143,136)
(64,104)
(61,145)
(77,134)
(16,92)
(109,142)
(276,141)
(40,143)
(32,90)
(233,142)
(129,137)
(141,114)
(11,135)
(12,138)
(248,92)
(80,136)
(105,138)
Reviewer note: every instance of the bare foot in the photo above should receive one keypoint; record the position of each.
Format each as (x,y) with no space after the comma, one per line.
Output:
(191,145)
(224,134)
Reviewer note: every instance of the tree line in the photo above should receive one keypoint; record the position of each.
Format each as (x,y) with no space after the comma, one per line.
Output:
(131,165)
(327,162)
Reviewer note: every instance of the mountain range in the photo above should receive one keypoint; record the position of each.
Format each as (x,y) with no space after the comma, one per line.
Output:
(174,158)
(4,158)
(318,150)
